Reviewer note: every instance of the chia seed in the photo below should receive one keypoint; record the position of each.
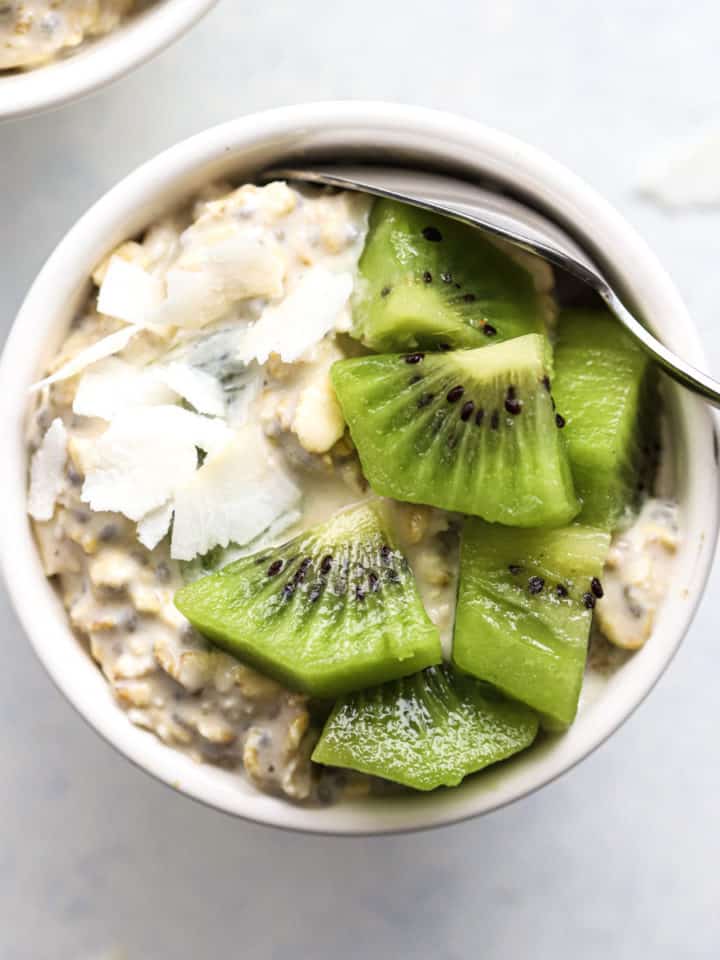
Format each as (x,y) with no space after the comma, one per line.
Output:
(432,234)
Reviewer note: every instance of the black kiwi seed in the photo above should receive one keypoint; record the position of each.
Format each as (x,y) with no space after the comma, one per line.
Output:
(427,277)
(326,564)
(560,421)
(360,593)
(392,576)
(561,590)
(495,419)
(416,379)
(597,588)
(455,394)
(589,600)
(446,277)
(274,568)
(479,416)
(432,234)
(489,330)
(536,585)
(445,346)
(414,357)
(314,593)
(373,581)
(385,291)
(512,404)
(469,298)
(425,399)
(299,574)
(467,411)
(515,568)
(288,590)
(385,552)
(546,383)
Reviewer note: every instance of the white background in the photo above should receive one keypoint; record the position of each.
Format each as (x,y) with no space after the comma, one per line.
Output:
(620,859)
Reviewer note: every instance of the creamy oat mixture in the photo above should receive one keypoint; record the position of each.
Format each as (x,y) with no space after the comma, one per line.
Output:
(189,419)
(33,32)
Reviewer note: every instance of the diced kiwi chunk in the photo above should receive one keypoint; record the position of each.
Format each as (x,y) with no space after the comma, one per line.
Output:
(427,281)
(425,731)
(472,431)
(334,609)
(602,384)
(524,610)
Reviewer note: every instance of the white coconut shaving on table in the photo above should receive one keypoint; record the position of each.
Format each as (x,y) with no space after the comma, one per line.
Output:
(687,175)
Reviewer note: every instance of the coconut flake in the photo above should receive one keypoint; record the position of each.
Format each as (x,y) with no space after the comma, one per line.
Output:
(154,525)
(688,176)
(135,466)
(47,471)
(217,354)
(302,319)
(128,292)
(208,280)
(235,496)
(113,343)
(113,385)
(199,388)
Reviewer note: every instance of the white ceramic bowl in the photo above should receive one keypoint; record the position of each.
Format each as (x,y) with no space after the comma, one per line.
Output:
(240,149)
(101,60)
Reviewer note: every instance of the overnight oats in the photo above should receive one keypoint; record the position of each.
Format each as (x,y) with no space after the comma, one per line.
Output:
(336,494)
(35,32)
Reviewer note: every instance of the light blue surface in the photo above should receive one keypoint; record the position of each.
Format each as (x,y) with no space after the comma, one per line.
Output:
(617,860)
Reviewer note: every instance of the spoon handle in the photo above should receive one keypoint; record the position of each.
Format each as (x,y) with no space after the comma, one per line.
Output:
(673,365)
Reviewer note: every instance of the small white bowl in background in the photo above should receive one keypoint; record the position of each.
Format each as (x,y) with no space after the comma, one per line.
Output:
(100,60)
(240,150)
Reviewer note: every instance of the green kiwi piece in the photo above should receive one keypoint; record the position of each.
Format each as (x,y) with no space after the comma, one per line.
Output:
(334,609)
(524,610)
(602,386)
(429,282)
(472,431)
(425,731)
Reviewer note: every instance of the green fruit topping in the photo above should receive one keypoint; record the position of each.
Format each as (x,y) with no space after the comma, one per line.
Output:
(524,611)
(472,431)
(430,282)
(601,386)
(425,731)
(332,610)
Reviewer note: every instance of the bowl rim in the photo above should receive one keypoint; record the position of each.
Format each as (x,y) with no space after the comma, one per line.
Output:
(101,61)
(199,159)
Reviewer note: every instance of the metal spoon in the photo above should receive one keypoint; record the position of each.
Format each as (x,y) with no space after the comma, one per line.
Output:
(508,218)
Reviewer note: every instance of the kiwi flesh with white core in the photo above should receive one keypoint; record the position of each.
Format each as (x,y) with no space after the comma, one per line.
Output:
(471,431)
(425,731)
(332,610)
(429,282)
(604,386)
(524,611)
